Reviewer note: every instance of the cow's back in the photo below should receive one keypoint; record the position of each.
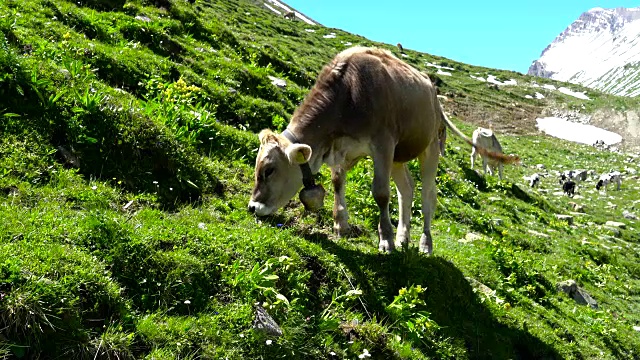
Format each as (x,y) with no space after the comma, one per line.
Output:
(395,99)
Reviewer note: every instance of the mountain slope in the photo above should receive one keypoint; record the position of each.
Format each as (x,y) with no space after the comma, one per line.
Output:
(127,145)
(600,50)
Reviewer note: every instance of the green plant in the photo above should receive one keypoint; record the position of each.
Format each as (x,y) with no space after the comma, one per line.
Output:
(409,316)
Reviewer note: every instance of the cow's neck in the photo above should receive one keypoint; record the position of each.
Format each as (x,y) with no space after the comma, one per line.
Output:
(307,172)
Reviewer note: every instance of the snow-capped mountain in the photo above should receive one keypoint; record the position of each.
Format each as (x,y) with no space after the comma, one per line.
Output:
(600,50)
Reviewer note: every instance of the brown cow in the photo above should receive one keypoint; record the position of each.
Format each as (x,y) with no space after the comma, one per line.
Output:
(366,102)
(290,15)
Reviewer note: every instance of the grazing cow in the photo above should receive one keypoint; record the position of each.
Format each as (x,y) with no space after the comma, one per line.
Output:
(608,178)
(575,175)
(366,102)
(291,15)
(569,188)
(534,180)
(486,139)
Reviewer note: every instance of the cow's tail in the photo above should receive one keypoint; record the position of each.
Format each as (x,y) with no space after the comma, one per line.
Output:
(505,159)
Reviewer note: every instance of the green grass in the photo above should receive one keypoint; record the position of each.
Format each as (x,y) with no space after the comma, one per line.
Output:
(126,163)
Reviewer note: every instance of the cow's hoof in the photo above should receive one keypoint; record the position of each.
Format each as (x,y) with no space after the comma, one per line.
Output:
(342,230)
(402,244)
(386,246)
(426,244)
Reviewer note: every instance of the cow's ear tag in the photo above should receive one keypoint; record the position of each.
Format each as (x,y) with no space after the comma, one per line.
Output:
(313,197)
(300,158)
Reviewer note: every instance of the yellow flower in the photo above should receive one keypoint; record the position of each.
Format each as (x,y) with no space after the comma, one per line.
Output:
(66,36)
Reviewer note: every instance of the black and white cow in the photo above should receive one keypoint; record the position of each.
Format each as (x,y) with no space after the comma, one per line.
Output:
(575,175)
(534,180)
(569,188)
(612,177)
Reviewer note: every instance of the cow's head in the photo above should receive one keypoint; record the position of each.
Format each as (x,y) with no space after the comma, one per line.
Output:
(277,175)
(599,184)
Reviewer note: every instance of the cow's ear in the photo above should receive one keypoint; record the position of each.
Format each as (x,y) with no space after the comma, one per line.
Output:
(298,153)
(265,136)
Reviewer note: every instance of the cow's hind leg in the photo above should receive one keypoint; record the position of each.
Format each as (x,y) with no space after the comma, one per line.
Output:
(404,185)
(486,166)
(382,164)
(340,214)
(428,168)
(473,156)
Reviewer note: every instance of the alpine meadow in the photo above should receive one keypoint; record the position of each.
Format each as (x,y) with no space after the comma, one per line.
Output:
(128,139)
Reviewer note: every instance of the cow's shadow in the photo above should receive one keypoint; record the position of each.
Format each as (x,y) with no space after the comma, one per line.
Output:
(449,298)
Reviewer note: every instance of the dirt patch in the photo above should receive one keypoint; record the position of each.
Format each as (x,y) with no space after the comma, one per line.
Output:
(512,118)
(627,124)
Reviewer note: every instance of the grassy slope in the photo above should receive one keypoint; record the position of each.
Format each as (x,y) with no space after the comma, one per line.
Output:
(123,191)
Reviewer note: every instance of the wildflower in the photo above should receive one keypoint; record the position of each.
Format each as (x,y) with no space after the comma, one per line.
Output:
(66,36)
(365,354)
(94,187)
(187,302)
(241,335)
(269,342)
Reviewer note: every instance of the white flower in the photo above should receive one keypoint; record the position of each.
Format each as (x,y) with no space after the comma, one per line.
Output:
(187,302)
(241,335)
(269,342)
(365,354)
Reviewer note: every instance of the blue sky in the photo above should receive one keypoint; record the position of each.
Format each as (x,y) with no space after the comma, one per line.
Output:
(498,34)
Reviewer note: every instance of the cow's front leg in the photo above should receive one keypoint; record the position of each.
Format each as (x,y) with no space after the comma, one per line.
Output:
(404,185)
(382,163)
(340,214)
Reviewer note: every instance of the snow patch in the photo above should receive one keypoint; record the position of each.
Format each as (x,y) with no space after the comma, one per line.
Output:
(539,96)
(286,10)
(309,30)
(580,133)
(446,73)
(439,66)
(272,9)
(492,79)
(528,97)
(479,78)
(548,87)
(329,36)
(579,95)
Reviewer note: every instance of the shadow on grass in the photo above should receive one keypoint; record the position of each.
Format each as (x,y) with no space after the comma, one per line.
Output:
(449,298)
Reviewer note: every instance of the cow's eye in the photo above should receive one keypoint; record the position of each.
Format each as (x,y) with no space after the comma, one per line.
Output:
(268,172)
